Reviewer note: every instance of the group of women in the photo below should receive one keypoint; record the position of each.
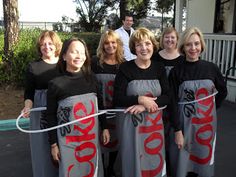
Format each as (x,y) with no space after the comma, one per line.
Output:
(166,99)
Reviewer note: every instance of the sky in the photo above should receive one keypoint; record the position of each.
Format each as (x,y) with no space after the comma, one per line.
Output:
(44,10)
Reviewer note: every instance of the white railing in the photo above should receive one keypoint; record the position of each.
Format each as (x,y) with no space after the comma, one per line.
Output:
(220,49)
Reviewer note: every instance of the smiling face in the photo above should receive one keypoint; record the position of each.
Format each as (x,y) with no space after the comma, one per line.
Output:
(170,40)
(144,49)
(193,48)
(75,56)
(110,46)
(47,48)
(128,22)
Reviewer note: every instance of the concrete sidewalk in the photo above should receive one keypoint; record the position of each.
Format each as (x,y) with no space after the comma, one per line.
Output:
(15,158)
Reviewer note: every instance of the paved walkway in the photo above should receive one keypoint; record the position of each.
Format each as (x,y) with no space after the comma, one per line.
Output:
(15,151)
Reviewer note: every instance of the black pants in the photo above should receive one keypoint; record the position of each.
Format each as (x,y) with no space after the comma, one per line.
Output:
(192,174)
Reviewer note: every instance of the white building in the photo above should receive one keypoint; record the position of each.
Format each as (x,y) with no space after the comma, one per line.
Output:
(217,20)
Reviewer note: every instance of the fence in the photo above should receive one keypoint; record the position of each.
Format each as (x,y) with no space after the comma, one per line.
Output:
(220,49)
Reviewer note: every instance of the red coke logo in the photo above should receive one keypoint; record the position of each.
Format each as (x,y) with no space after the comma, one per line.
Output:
(204,125)
(85,140)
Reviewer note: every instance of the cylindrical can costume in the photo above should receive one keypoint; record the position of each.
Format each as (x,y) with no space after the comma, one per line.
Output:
(106,82)
(199,127)
(42,162)
(79,142)
(142,138)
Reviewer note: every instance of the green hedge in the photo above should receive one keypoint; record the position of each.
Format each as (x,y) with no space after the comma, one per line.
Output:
(25,51)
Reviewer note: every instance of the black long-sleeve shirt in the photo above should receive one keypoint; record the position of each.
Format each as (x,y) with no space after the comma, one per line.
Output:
(67,85)
(104,68)
(128,72)
(37,76)
(191,71)
(168,63)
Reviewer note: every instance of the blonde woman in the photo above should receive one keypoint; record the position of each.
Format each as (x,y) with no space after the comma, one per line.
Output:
(194,84)
(170,57)
(105,66)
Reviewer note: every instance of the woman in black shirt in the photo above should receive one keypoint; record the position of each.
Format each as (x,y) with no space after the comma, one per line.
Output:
(141,87)
(193,84)
(74,96)
(105,65)
(38,74)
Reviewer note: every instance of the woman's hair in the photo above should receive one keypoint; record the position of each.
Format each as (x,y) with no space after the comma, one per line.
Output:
(86,69)
(140,34)
(186,35)
(55,39)
(168,30)
(106,37)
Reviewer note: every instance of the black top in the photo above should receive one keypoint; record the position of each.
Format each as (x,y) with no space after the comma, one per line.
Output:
(38,74)
(190,71)
(157,57)
(169,65)
(130,71)
(104,68)
(128,31)
(69,84)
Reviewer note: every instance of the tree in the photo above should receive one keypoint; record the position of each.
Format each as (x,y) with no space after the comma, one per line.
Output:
(164,7)
(11,30)
(123,7)
(113,21)
(67,23)
(138,8)
(93,12)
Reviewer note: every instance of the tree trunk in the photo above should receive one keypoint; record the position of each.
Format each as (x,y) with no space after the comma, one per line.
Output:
(123,8)
(11,28)
(162,20)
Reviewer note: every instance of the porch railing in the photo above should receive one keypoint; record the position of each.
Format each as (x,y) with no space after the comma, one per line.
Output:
(220,49)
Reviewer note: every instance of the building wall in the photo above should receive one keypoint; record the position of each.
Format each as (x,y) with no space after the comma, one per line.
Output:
(228,16)
(40,25)
(201,13)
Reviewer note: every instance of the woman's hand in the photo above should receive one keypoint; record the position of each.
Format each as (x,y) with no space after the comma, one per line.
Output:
(179,139)
(55,152)
(106,136)
(135,109)
(26,112)
(149,103)
(26,109)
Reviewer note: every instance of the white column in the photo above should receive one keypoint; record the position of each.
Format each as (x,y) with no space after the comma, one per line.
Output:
(179,15)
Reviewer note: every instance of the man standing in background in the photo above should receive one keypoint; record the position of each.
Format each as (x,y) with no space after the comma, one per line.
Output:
(125,32)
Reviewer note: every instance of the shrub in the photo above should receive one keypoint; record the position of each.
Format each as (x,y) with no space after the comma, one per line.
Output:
(92,41)
(25,51)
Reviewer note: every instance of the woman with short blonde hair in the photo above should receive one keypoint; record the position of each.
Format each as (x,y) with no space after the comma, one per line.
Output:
(141,88)
(198,89)
(139,36)
(186,35)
